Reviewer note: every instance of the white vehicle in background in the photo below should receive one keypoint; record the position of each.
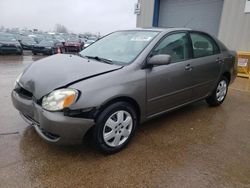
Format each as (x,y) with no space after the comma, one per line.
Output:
(90,41)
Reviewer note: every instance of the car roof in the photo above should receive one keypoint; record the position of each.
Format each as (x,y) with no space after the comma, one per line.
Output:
(159,29)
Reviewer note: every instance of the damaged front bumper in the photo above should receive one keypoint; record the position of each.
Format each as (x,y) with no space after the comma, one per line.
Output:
(53,127)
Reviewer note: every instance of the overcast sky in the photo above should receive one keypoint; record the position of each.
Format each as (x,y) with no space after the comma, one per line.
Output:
(77,15)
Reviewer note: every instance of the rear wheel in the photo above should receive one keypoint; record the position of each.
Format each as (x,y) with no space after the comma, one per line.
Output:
(115,127)
(220,93)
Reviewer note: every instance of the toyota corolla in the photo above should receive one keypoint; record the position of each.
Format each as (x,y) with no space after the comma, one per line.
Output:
(122,80)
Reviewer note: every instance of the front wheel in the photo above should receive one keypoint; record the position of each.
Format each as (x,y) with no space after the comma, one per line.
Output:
(220,93)
(115,127)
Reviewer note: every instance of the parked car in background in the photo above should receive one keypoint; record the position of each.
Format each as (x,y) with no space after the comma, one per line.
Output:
(123,79)
(88,42)
(73,45)
(27,43)
(48,47)
(60,39)
(18,37)
(82,40)
(38,37)
(9,44)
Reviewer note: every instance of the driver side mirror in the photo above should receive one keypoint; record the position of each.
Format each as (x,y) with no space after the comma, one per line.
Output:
(162,59)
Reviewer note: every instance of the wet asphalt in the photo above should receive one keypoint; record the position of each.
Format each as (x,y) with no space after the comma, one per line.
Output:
(196,146)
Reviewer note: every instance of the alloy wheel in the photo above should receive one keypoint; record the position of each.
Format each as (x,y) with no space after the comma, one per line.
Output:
(221,90)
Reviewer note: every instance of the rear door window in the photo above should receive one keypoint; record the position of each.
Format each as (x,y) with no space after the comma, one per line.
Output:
(203,45)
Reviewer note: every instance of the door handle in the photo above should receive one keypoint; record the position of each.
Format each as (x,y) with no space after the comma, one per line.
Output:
(219,60)
(188,67)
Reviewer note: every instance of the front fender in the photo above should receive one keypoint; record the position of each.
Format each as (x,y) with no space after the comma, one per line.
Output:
(99,90)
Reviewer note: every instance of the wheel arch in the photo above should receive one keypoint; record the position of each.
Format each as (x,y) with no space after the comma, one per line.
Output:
(127,99)
(227,75)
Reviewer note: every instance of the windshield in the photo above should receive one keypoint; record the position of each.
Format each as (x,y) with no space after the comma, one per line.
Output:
(28,40)
(7,38)
(120,47)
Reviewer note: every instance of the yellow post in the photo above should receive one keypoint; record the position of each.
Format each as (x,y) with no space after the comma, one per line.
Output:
(243,64)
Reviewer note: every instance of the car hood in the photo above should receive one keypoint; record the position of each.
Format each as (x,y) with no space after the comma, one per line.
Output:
(28,43)
(43,45)
(62,70)
(72,43)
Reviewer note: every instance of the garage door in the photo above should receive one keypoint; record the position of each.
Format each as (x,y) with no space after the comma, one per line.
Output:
(196,14)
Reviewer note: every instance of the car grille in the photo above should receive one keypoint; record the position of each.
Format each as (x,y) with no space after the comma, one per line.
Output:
(39,48)
(72,48)
(23,92)
(9,47)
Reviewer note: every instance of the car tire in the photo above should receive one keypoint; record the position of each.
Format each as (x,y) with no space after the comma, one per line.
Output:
(117,123)
(34,53)
(219,94)
(20,53)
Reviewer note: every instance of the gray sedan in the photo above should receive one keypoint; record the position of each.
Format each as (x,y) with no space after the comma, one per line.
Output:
(122,80)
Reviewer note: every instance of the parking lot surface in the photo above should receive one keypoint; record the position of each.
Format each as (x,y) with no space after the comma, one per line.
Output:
(196,146)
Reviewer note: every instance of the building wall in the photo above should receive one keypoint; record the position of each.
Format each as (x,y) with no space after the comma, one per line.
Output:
(235,25)
(234,28)
(145,19)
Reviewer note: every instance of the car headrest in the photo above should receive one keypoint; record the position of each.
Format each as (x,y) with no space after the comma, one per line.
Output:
(201,45)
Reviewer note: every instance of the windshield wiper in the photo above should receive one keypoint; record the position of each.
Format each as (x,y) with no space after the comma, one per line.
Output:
(108,61)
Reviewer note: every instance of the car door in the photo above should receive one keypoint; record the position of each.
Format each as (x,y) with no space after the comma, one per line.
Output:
(206,65)
(169,86)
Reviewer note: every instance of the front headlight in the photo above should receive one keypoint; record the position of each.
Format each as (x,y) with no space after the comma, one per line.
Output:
(59,99)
